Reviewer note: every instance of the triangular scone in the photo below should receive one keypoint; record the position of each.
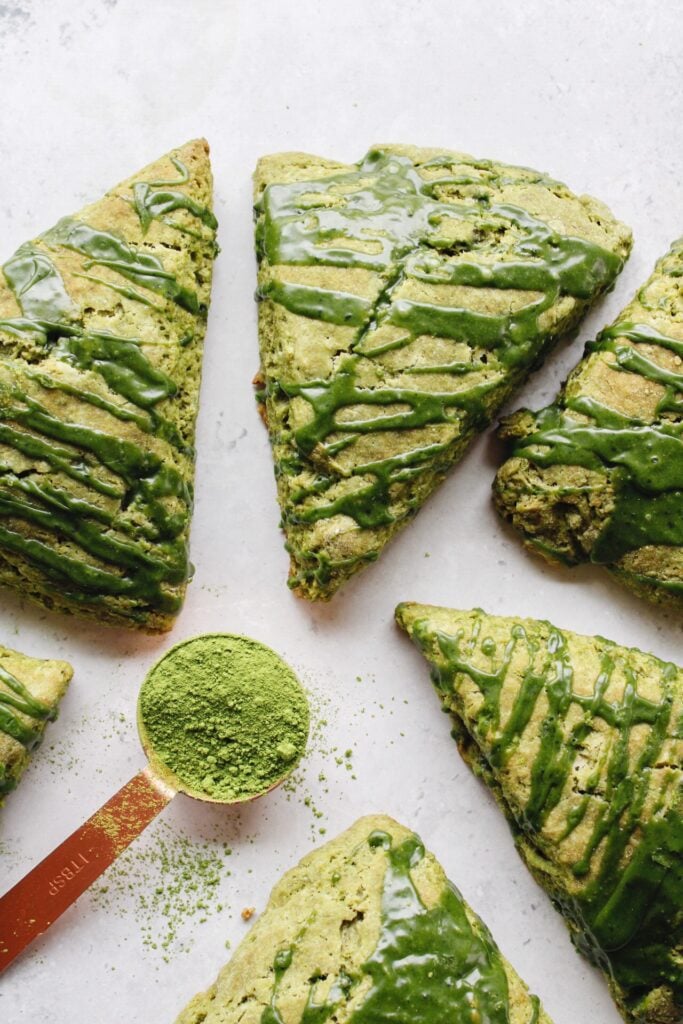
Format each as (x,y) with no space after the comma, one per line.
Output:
(402,301)
(367,930)
(102,322)
(598,475)
(30,691)
(580,741)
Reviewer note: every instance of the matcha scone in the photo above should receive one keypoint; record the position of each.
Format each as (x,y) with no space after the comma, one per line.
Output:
(402,299)
(598,475)
(102,321)
(30,691)
(366,930)
(581,743)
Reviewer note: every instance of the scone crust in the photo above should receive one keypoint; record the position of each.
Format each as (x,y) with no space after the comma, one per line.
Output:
(387,344)
(102,322)
(579,741)
(581,498)
(45,681)
(325,915)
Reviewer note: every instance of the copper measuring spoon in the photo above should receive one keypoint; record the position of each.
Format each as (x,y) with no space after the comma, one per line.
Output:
(41,897)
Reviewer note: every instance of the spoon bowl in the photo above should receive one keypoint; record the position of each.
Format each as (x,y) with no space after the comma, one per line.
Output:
(222,718)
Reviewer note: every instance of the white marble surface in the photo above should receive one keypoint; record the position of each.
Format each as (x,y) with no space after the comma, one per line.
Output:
(90,91)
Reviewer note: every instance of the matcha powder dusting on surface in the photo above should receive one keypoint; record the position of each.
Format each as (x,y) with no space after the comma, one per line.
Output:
(224,715)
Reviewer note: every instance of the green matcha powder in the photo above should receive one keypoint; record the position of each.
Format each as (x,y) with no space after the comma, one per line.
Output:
(224,715)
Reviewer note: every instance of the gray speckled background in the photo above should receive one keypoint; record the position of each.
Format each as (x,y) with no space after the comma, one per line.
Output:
(91,91)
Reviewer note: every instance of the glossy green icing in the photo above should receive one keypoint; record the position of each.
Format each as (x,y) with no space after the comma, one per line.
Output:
(139,550)
(182,179)
(430,962)
(642,460)
(314,1012)
(37,284)
(121,363)
(105,249)
(120,289)
(387,217)
(15,697)
(154,204)
(153,200)
(631,865)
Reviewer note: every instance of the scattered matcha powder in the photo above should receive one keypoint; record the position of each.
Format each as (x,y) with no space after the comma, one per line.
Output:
(173,880)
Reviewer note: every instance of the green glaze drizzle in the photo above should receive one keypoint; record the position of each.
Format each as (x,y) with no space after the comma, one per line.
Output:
(154,204)
(182,179)
(642,460)
(105,249)
(109,517)
(18,698)
(387,218)
(15,697)
(314,1012)
(37,284)
(121,363)
(430,962)
(627,907)
(141,569)
(120,289)
(153,200)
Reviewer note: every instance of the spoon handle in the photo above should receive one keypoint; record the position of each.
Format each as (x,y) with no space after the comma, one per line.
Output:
(35,902)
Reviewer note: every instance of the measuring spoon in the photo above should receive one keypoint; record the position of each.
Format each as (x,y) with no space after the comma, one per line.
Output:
(42,896)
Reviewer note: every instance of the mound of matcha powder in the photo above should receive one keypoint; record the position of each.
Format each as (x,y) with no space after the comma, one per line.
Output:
(225,715)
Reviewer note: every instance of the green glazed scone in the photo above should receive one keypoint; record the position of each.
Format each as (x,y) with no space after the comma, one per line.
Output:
(581,743)
(364,925)
(30,692)
(402,300)
(598,475)
(102,322)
